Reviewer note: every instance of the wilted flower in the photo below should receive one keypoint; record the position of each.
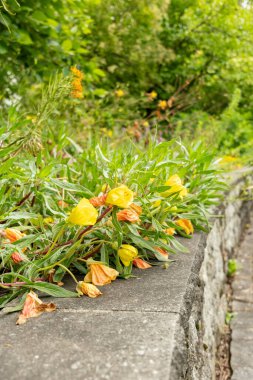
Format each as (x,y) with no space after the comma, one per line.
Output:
(176,186)
(127,254)
(121,196)
(136,208)
(98,201)
(33,307)
(141,264)
(100,274)
(162,104)
(84,214)
(186,225)
(89,290)
(170,231)
(13,235)
(119,93)
(127,215)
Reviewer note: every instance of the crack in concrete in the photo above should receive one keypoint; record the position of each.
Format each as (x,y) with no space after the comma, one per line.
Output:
(66,310)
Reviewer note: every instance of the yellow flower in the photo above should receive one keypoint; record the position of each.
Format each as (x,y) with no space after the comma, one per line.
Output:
(84,214)
(162,104)
(77,73)
(145,124)
(89,290)
(152,95)
(176,186)
(127,254)
(100,274)
(186,225)
(121,196)
(119,93)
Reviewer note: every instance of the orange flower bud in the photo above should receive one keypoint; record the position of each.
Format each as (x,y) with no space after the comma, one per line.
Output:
(16,257)
(141,264)
(128,216)
(162,252)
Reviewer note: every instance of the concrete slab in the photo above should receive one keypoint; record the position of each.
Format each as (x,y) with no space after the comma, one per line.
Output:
(90,345)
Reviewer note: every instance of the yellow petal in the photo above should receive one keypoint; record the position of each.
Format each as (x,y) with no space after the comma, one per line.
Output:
(121,196)
(84,214)
(127,254)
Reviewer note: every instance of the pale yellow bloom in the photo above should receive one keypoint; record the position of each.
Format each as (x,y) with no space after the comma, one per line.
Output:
(84,214)
(127,254)
(121,196)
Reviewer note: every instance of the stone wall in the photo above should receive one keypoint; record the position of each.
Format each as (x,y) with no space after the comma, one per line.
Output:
(204,308)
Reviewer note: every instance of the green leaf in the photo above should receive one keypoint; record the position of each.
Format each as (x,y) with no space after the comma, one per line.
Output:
(51,289)
(67,45)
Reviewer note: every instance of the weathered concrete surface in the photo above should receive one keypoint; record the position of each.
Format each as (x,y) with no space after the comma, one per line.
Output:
(161,325)
(242,326)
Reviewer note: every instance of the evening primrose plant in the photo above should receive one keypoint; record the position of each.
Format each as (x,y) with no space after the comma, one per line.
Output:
(94,211)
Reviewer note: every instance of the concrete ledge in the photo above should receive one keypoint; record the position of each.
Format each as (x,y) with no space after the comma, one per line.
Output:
(163,324)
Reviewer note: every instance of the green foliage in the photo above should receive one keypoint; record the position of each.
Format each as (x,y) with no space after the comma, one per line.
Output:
(40,187)
(232,267)
(229,317)
(38,38)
